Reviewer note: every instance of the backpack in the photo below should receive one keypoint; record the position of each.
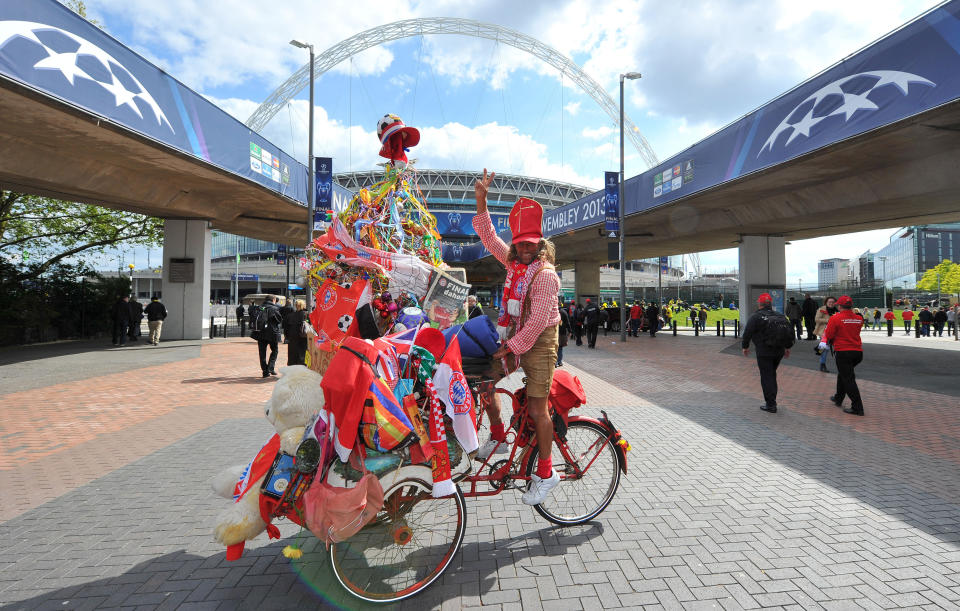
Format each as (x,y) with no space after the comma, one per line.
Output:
(777,331)
(261,322)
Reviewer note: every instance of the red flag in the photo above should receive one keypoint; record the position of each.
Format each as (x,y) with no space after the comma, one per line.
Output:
(334,315)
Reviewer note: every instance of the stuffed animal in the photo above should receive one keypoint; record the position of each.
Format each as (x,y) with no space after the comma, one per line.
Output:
(296,397)
(396,139)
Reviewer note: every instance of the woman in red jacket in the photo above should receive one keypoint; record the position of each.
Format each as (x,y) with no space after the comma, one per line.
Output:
(843,332)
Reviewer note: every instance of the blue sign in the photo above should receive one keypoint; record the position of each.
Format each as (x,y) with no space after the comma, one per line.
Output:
(323,168)
(294,287)
(54,51)
(281,254)
(458,224)
(665,264)
(612,192)
(245,277)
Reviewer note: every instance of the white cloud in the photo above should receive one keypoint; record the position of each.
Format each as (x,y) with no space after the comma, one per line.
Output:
(599,133)
(573,108)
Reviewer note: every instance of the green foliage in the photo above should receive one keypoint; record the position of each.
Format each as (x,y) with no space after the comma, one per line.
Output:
(56,304)
(949,274)
(41,232)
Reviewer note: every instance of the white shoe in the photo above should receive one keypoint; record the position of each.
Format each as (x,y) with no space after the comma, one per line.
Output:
(540,488)
(491,447)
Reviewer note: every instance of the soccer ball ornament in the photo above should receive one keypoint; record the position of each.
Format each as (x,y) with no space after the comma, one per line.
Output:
(385,123)
(344,322)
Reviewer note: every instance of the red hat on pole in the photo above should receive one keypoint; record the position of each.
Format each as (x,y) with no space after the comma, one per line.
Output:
(526,221)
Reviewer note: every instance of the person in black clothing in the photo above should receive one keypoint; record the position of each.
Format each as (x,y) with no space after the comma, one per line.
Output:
(939,320)
(564,333)
(270,336)
(473,309)
(577,323)
(925,316)
(136,315)
(285,311)
(794,313)
(297,343)
(809,311)
(591,321)
(768,357)
(653,318)
(121,320)
(156,313)
(239,314)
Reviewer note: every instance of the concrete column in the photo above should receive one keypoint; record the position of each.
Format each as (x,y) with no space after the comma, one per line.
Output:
(762,263)
(188,303)
(586,280)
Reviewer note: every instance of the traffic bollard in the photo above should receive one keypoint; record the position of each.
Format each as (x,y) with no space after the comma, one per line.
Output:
(718,328)
(696,329)
(674,325)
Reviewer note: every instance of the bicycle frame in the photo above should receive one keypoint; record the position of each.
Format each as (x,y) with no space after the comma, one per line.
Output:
(520,462)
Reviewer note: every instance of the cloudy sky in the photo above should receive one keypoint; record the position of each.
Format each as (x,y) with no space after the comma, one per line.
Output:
(480,103)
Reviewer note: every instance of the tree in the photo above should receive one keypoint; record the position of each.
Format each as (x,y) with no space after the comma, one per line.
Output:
(41,232)
(949,273)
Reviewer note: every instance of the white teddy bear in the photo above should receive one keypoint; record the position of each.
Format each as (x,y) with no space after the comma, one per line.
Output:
(296,397)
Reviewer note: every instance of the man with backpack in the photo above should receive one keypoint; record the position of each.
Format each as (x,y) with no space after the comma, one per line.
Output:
(265,323)
(773,336)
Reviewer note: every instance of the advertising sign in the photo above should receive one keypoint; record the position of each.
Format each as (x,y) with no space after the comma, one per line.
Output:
(323,168)
(281,257)
(612,191)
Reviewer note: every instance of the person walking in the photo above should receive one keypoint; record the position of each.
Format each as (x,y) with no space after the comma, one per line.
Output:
(577,322)
(636,313)
(795,315)
(823,317)
(702,317)
(772,335)
(843,334)
(653,318)
(939,320)
(591,321)
(286,309)
(889,316)
(926,319)
(293,325)
(693,319)
(951,319)
(564,334)
(239,314)
(120,316)
(136,316)
(266,322)
(156,313)
(809,311)
(876,319)
(907,320)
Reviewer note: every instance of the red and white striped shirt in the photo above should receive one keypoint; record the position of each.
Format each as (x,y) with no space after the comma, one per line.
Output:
(543,292)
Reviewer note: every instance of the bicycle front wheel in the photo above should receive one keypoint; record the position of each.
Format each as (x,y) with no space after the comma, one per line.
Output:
(413,539)
(591,470)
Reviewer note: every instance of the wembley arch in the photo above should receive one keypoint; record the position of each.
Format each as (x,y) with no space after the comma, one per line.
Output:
(447,25)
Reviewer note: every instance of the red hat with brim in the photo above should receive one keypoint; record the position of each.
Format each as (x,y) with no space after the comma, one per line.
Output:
(410,135)
(845,301)
(526,221)
(764,298)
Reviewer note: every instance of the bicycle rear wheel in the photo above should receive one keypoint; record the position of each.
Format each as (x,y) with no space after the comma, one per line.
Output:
(580,498)
(405,548)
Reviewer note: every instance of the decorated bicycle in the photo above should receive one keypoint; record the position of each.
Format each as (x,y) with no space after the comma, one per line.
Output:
(377,447)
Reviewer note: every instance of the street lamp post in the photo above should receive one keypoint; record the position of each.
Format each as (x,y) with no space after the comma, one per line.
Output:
(311,187)
(623,271)
(883,280)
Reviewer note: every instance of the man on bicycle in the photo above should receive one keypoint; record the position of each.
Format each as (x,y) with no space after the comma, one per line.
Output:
(528,324)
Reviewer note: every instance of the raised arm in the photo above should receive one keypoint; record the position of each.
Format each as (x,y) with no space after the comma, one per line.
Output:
(482,222)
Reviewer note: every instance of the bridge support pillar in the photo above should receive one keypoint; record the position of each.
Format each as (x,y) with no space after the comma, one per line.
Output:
(763,265)
(186,279)
(586,281)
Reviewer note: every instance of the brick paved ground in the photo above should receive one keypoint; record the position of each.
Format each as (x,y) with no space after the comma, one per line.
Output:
(105,500)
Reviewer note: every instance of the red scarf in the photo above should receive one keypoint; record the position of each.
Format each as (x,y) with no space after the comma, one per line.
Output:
(515,288)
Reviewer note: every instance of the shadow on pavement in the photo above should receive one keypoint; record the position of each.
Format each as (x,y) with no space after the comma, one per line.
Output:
(222,380)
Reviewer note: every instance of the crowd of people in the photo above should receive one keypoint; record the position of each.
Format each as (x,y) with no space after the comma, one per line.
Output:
(127,316)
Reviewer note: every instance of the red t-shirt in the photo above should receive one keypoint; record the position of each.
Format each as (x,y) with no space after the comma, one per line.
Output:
(844,331)
(889,316)
(636,313)
(908,315)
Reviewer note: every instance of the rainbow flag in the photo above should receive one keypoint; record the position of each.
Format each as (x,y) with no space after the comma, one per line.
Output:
(385,426)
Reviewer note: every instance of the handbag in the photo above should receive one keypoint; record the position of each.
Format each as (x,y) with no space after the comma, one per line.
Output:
(306,329)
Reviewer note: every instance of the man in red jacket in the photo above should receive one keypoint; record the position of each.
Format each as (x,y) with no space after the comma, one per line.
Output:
(843,331)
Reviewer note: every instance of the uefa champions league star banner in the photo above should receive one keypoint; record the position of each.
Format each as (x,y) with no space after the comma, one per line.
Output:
(612,192)
(460,224)
(50,49)
(323,177)
(911,70)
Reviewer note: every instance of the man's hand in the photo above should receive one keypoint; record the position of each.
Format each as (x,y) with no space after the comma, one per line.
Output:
(746,352)
(481,188)
(503,351)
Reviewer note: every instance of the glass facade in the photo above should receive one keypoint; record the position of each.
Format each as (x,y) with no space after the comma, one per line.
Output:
(913,250)
(224,245)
